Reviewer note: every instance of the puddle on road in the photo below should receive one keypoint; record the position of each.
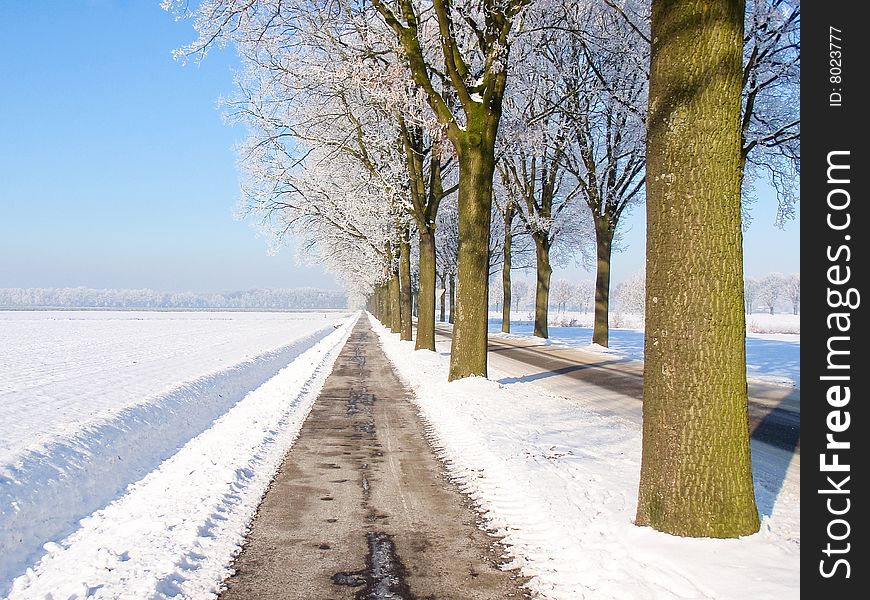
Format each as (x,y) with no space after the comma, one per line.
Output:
(384,575)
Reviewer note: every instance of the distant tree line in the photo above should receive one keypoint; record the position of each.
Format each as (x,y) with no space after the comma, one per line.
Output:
(774,292)
(81,297)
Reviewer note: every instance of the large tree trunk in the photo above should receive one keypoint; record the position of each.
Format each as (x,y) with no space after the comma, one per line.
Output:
(542,285)
(696,477)
(426,299)
(452,281)
(604,252)
(407,296)
(468,348)
(506,270)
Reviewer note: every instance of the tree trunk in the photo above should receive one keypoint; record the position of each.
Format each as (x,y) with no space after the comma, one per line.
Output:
(395,302)
(696,477)
(443,316)
(604,252)
(426,301)
(542,285)
(407,296)
(476,169)
(506,271)
(452,281)
(385,305)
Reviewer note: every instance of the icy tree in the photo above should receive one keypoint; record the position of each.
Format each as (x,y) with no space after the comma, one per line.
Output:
(534,142)
(458,54)
(514,249)
(584,294)
(446,251)
(770,121)
(520,292)
(793,291)
(561,293)
(630,294)
(605,65)
(696,476)
(771,288)
(750,293)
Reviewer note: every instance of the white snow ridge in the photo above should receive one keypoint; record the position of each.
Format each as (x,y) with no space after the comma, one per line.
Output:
(174,531)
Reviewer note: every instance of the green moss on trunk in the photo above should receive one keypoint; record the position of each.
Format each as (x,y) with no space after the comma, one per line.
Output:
(542,285)
(506,269)
(426,302)
(696,477)
(604,251)
(468,348)
(406,295)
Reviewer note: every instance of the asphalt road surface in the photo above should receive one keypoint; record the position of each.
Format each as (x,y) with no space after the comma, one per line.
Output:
(362,509)
(615,385)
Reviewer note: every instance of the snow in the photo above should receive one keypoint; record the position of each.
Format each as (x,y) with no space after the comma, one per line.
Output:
(559,481)
(93,403)
(770,357)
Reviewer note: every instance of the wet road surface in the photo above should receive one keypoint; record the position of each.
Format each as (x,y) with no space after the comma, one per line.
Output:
(361,508)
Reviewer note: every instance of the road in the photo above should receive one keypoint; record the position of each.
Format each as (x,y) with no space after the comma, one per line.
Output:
(615,385)
(362,509)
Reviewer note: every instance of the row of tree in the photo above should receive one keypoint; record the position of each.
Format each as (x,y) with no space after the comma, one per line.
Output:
(82,297)
(479,129)
(774,291)
(566,295)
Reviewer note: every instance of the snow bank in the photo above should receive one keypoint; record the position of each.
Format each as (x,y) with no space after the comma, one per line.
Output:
(174,532)
(76,429)
(755,322)
(559,481)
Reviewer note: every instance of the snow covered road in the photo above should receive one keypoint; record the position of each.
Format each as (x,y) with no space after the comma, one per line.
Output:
(93,402)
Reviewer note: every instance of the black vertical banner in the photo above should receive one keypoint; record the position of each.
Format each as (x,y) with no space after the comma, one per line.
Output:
(834,370)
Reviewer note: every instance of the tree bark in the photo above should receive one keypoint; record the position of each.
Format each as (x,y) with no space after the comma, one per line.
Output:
(604,252)
(452,278)
(407,296)
(443,316)
(469,345)
(542,285)
(426,301)
(506,270)
(696,477)
(394,294)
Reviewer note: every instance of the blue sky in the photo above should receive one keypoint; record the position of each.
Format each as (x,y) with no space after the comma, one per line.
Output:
(116,169)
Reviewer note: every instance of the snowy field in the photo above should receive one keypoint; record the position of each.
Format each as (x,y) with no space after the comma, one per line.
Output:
(136,446)
(771,357)
(559,481)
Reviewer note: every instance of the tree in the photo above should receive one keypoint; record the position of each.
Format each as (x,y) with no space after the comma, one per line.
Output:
(770,119)
(471,51)
(751,286)
(520,292)
(793,292)
(605,65)
(533,145)
(771,288)
(630,294)
(696,477)
(562,292)
(584,294)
